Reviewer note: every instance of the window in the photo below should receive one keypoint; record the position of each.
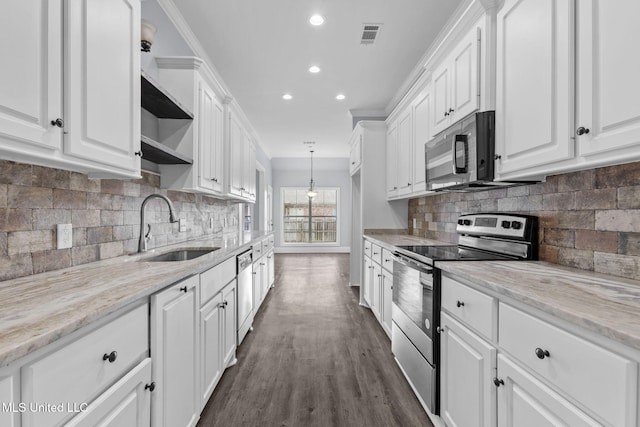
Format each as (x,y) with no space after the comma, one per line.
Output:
(307,220)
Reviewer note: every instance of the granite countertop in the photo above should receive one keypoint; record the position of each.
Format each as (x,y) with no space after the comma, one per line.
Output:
(39,309)
(607,305)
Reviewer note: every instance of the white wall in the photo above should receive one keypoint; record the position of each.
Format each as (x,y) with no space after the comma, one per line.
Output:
(327,172)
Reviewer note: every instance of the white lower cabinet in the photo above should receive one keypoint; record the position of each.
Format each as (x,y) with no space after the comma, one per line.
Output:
(217,338)
(378,283)
(92,363)
(534,372)
(466,372)
(127,403)
(10,399)
(174,350)
(524,401)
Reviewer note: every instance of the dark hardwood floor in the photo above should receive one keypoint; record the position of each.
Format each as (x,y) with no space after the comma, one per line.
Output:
(314,358)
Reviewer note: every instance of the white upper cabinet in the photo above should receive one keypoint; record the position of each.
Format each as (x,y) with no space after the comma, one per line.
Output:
(85,119)
(31,75)
(455,83)
(242,160)
(404,169)
(392,162)
(193,84)
(534,84)
(210,140)
(102,82)
(355,153)
(545,50)
(608,88)
(421,134)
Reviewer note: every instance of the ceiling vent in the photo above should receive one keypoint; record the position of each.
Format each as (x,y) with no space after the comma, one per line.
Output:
(370,33)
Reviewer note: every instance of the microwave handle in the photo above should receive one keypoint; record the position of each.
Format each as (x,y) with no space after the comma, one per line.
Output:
(459,139)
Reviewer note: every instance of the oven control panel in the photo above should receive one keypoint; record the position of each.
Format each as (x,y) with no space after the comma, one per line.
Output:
(498,225)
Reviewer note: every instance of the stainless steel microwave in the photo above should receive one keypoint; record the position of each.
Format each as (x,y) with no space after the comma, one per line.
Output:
(461,158)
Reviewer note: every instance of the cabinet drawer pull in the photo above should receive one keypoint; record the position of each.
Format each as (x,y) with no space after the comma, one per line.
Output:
(150,387)
(138,153)
(111,357)
(451,110)
(459,303)
(58,122)
(541,353)
(183,289)
(497,382)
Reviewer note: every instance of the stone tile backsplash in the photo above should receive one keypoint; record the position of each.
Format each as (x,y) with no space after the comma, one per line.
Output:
(588,219)
(105,215)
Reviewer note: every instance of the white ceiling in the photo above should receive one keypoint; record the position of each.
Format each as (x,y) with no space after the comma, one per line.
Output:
(263,49)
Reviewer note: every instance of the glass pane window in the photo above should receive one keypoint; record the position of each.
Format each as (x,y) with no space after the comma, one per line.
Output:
(310,220)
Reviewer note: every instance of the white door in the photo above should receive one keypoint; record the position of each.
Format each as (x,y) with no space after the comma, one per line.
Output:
(236,140)
(534,85)
(392,162)
(211,333)
(386,292)
(468,365)
(126,403)
(102,82)
(31,74)
(441,102)
(229,337)
(523,401)
(421,134)
(206,135)
(465,97)
(405,153)
(174,338)
(608,88)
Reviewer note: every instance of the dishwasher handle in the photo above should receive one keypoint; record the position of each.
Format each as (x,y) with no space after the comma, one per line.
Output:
(411,263)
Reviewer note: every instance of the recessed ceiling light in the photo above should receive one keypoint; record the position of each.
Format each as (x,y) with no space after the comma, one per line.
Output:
(314,69)
(287,96)
(316,20)
(340,97)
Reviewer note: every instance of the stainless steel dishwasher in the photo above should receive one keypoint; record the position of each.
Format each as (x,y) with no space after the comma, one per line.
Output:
(245,294)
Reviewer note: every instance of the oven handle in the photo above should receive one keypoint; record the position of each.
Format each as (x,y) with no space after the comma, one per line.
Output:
(411,263)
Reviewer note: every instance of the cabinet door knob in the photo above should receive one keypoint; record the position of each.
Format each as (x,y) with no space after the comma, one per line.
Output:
(459,303)
(138,153)
(582,130)
(111,357)
(451,110)
(58,122)
(497,382)
(214,179)
(440,329)
(150,387)
(183,289)
(497,157)
(541,353)
(446,114)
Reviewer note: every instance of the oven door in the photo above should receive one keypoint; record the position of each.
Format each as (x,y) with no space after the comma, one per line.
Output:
(415,316)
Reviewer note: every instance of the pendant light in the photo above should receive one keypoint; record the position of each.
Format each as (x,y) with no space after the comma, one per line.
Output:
(311,192)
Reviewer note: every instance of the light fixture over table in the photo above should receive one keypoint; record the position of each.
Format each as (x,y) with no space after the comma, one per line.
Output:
(311,192)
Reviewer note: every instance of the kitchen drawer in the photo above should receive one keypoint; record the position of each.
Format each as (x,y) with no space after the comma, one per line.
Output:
(367,248)
(475,309)
(213,280)
(602,381)
(387,260)
(266,245)
(376,254)
(258,250)
(80,371)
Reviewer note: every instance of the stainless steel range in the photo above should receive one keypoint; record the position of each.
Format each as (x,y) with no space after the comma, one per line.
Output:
(416,290)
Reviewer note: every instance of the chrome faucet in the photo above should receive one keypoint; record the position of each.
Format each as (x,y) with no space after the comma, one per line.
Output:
(142,243)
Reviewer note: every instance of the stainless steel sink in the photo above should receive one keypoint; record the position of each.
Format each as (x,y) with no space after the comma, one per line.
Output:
(180,255)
